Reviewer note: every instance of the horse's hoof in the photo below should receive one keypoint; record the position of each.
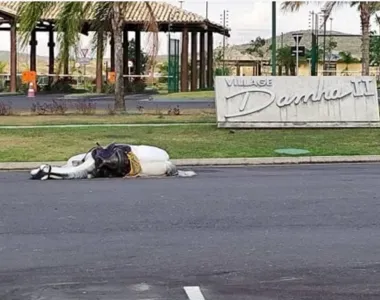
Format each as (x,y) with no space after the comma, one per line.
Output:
(40,173)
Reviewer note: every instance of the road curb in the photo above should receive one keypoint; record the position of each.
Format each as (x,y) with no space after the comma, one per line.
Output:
(10,95)
(227,161)
(277,160)
(82,96)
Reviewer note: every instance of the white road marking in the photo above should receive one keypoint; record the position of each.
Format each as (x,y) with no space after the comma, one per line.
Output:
(194,292)
(142,287)
(282,279)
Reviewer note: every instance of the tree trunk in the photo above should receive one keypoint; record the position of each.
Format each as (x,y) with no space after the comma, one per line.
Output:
(286,70)
(365,23)
(292,69)
(99,62)
(117,28)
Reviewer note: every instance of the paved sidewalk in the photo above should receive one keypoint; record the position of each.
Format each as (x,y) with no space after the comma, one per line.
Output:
(103,125)
(228,161)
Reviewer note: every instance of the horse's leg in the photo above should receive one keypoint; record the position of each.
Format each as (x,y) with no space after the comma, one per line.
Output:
(71,162)
(81,171)
(38,173)
(75,160)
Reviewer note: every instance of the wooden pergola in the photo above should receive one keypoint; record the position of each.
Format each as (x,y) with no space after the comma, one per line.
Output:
(238,63)
(168,17)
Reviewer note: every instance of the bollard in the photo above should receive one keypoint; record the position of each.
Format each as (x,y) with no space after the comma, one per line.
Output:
(31,92)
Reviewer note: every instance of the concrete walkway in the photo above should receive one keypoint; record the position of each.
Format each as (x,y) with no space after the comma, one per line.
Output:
(102,125)
(228,161)
(23,103)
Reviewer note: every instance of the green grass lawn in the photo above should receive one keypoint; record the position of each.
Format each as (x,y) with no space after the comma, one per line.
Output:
(202,141)
(187,95)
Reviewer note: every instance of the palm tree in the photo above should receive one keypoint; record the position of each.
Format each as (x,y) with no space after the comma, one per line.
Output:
(374,49)
(365,8)
(107,17)
(256,47)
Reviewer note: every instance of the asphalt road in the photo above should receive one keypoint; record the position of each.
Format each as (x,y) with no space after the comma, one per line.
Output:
(260,233)
(131,101)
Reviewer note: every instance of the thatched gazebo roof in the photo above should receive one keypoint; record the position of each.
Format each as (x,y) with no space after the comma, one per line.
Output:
(135,16)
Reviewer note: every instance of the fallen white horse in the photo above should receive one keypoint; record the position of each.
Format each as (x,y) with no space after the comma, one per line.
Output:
(115,160)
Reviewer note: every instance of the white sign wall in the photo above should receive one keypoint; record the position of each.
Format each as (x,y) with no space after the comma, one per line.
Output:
(296,101)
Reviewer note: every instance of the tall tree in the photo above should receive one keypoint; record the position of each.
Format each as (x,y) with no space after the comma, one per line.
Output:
(287,60)
(331,45)
(365,8)
(108,17)
(117,20)
(346,58)
(374,50)
(132,54)
(256,47)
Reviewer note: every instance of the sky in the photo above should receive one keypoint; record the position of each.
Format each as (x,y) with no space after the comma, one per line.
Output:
(246,19)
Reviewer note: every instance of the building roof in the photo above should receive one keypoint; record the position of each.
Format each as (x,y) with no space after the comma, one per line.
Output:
(136,13)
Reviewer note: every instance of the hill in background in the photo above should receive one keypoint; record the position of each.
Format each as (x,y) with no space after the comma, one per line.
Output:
(345,42)
(42,63)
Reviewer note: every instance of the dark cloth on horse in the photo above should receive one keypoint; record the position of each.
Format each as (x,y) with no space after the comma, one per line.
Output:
(112,161)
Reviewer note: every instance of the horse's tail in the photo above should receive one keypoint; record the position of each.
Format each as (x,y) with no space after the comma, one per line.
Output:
(181,173)
(173,171)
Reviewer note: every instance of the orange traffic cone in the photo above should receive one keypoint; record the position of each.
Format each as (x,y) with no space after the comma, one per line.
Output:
(31,92)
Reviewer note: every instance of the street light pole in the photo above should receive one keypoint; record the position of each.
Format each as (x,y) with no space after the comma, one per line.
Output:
(224,39)
(316,28)
(274,38)
(330,52)
(324,40)
(224,21)
(297,43)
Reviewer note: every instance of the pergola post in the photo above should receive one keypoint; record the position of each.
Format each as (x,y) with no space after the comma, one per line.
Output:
(33,51)
(210,58)
(51,46)
(112,53)
(125,55)
(185,61)
(202,61)
(194,54)
(66,68)
(99,62)
(138,54)
(13,57)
